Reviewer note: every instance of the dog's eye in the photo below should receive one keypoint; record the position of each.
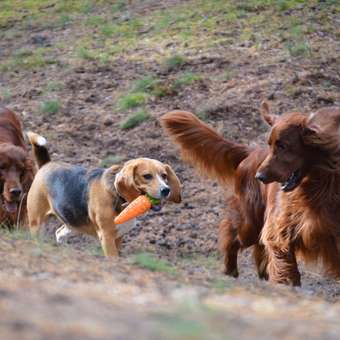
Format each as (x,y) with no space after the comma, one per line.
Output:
(164,176)
(147,176)
(280,145)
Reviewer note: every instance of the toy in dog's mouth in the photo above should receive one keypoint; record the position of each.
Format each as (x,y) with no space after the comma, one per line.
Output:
(292,182)
(156,203)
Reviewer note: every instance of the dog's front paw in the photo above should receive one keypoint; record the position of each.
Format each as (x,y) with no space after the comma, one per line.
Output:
(62,233)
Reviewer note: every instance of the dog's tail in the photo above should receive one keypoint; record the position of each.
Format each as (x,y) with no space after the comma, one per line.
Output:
(203,147)
(39,148)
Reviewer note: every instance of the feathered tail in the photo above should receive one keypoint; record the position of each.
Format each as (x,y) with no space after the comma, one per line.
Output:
(204,147)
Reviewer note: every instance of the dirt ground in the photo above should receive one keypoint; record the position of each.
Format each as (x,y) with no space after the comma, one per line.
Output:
(72,291)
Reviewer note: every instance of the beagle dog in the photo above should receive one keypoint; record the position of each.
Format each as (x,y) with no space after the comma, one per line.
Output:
(87,201)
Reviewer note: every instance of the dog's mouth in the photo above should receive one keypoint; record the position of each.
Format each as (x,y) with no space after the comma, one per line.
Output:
(156,204)
(293,181)
(10,206)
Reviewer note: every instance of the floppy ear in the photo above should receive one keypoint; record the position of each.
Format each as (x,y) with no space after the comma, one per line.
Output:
(266,113)
(311,133)
(28,175)
(125,182)
(175,185)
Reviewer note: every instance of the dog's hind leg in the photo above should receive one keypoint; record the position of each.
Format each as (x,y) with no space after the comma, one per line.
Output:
(38,205)
(229,246)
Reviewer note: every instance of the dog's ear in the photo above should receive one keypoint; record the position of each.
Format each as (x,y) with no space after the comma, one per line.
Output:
(266,114)
(175,185)
(311,133)
(125,182)
(27,178)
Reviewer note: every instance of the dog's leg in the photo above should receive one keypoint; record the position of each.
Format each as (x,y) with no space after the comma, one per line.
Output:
(229,246)
(35,224)
(107,234)
(261,260)
(282,266)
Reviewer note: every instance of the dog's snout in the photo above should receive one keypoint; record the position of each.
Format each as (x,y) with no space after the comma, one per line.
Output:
(165,192)
(16,192)
(261,177)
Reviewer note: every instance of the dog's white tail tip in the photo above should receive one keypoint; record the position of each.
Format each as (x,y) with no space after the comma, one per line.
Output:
(41,141)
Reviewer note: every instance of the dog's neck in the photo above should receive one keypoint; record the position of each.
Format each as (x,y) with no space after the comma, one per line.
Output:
(322,189)
(109,180)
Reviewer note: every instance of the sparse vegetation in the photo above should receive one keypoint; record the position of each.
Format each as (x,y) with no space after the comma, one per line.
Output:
(187,79)
(134,119)
(110,160)
(85,53)
(27,59)
(118,6)
(132,100)
(174,62)
(145,84)
(50,106)
(5,94)
(298,49)
(15,234)
(149,261)
(84,72)
(54,86)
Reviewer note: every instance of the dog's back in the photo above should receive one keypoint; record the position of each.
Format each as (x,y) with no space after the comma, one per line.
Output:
(68,188)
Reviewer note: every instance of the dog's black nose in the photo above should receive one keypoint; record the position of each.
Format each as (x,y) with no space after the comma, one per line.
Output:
(165,192)
(15,192)
(261,177)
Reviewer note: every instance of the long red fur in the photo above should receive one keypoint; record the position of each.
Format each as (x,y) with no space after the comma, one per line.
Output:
(304,222)
(12,147)
(234,165)
(202,146)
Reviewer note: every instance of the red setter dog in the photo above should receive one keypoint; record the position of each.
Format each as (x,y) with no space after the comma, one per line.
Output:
(16,169)
(297,212)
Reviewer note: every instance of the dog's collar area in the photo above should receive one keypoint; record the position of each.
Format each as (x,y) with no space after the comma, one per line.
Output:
(118,204)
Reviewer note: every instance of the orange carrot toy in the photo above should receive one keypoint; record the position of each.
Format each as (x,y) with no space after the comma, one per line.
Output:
(137,207)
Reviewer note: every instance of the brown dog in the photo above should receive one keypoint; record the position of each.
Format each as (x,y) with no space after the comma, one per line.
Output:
(88,201)
(303,216)
(16,169)
(300,216)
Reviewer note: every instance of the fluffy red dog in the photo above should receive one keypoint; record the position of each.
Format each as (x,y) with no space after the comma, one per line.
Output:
(16,169)
(302,215)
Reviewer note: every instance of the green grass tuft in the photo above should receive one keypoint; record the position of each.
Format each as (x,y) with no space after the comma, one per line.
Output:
(5,94)
(145,84)
(132,100)
(15,234)
(64,19)
(50,106)
(148,261)
(85,53)
(54,86)
(110,160)
(174,62)
(118,6)
(107,29)
(27,59)
(299,49)
(187,79)
(134,120)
